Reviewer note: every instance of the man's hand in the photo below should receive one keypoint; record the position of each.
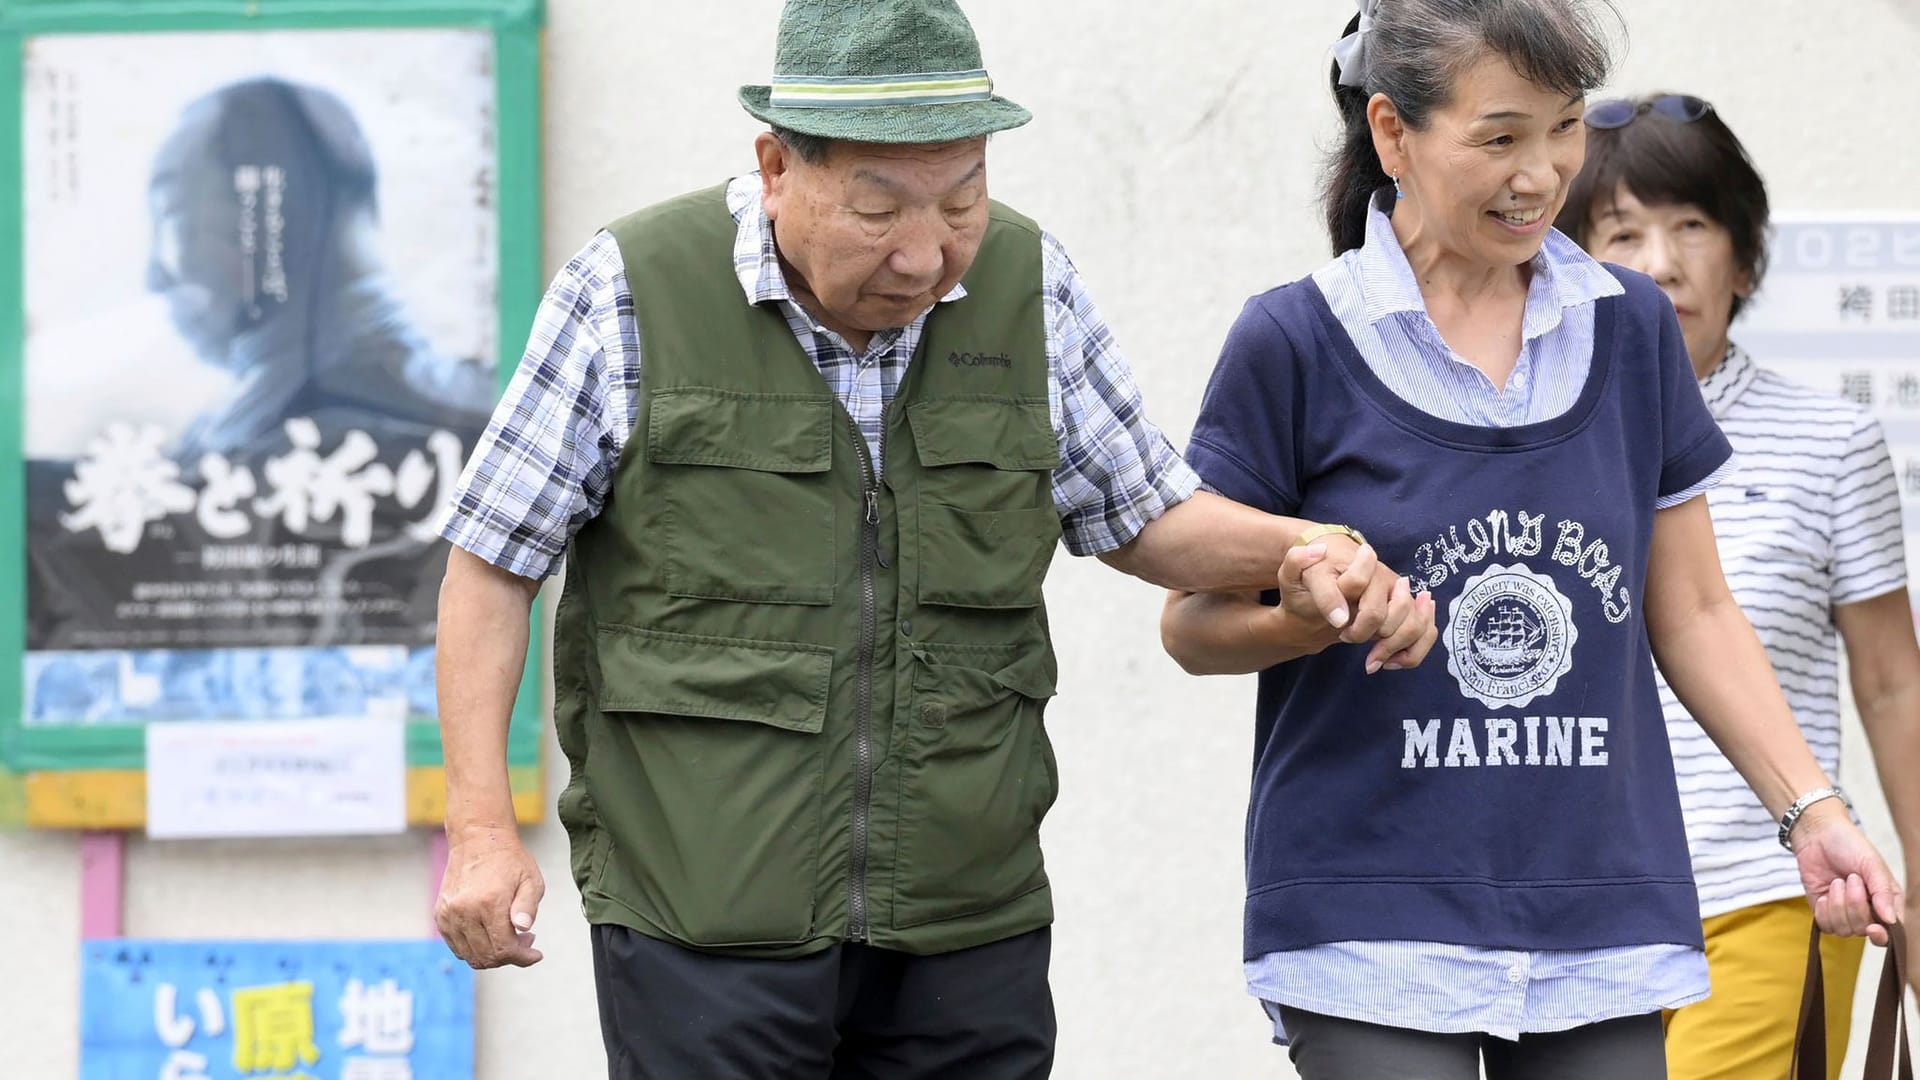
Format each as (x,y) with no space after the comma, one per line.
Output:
(1853,892)
(1362,600)
(489,899)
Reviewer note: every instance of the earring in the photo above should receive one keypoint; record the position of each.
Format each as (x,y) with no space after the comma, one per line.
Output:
(1398,192)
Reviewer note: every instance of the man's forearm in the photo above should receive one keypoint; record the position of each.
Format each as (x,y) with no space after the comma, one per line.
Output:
(1210,544)
(482,651)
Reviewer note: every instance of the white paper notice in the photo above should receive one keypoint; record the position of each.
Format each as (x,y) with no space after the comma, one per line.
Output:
(278,778)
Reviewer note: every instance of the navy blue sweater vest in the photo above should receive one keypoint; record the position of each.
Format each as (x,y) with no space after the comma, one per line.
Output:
(1516,790)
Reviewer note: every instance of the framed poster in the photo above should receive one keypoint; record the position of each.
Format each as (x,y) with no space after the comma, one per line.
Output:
(1839,310)
(322,1010)
(271,262)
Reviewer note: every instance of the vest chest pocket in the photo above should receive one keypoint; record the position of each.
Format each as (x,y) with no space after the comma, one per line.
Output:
(986,520)
(748,490)
(977,776)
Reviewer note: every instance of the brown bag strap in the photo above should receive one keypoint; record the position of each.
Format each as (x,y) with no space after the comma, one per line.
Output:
(1810,1038)
(1890,1015)
(1888,1039)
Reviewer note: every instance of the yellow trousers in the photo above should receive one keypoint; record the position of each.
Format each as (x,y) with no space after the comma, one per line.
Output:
(1757,960)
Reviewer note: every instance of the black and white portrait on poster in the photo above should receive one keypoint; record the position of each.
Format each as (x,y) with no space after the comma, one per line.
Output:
(261,308)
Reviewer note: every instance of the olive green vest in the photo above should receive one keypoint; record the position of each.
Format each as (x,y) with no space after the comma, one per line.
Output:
(803,706)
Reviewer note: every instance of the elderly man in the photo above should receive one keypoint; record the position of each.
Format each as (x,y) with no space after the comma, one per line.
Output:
(801,656)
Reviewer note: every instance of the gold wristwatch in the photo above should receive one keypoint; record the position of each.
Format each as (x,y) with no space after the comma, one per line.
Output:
(1314,532)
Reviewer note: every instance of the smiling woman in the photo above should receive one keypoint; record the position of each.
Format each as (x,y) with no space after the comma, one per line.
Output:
(1424,894)
(1413,62)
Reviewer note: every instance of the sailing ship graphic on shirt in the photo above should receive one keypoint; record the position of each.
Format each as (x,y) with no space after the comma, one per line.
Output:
(1509,636)
(1509,639)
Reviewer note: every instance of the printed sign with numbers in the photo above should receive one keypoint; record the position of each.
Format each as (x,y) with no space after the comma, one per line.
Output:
(1839,311)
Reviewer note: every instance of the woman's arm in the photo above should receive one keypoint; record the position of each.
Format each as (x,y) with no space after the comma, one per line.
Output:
(1884,663)
(1716,665)
(1234,633)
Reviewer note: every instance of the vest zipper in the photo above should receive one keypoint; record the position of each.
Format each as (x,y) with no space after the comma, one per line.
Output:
(863,693)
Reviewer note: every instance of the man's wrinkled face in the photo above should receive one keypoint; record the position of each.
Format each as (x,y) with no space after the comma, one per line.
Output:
(875,235)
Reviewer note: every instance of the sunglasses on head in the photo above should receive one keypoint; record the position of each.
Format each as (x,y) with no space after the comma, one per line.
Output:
(1619,112)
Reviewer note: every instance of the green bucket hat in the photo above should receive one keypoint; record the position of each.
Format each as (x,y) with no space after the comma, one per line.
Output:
(880,71)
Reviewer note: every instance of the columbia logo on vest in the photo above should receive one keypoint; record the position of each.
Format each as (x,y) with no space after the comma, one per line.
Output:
(969,359)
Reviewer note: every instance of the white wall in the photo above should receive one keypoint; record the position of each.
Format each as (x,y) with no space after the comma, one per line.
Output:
(1174,152)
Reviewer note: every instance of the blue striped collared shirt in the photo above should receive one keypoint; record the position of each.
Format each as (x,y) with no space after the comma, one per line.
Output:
(1432,986)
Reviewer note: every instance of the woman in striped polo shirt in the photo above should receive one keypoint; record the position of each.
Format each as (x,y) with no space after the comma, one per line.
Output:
(1810,540)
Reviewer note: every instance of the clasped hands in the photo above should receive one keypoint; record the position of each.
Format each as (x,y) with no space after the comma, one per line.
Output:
(1340,586)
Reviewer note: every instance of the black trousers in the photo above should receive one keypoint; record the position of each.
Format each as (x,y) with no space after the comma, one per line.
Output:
(852,1012)
(1327,1048)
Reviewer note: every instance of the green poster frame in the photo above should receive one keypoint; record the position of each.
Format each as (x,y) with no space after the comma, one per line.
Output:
(515,26)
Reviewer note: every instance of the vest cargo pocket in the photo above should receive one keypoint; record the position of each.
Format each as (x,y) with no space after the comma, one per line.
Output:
(985,558)
(986,521)
(735,470)
(710,782)
(976,777)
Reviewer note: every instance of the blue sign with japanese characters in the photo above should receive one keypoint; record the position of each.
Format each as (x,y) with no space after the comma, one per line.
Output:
(310,1010)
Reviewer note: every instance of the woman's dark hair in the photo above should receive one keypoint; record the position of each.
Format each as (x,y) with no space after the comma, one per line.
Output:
(1415,52)
(1664,161)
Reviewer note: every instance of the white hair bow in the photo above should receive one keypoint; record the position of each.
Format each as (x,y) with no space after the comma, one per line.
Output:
(1350,52)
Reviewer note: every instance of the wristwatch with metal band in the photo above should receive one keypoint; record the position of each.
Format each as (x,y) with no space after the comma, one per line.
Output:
(1314,532)
(1799,807)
